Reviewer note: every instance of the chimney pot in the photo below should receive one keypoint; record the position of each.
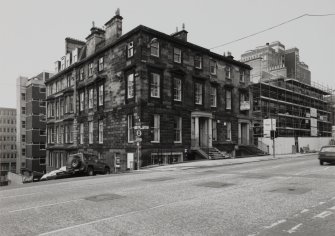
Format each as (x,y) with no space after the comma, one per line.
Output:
(114,27)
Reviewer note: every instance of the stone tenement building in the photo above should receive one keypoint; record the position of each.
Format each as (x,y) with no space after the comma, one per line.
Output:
(7,139)
(31,122)
(167,95)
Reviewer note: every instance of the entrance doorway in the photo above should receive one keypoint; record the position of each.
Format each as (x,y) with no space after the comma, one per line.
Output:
(243,133)
(201,130)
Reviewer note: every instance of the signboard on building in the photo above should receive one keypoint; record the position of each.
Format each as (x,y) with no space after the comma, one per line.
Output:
(268,125)
(314,122)
(245,106)
(314,131)
(314,112)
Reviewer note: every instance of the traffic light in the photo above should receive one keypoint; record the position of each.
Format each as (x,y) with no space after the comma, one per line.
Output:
(273,134)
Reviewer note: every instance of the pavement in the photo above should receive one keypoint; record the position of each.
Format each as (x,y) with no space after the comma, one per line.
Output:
(230,161)
(288,195)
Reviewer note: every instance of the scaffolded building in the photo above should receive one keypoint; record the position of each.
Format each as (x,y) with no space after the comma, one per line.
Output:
(300,109)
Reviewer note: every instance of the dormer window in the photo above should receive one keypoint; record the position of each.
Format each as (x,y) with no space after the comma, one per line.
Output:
(68,60)
(130,49)
(101,64)
(63,63)
(154,48)
(213,67)
(90,69)
(75,55)
(228,72)
(242,76)
(198,62)
(81,74)
(177,55)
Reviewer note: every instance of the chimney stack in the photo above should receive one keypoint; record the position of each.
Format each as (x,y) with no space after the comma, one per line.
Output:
(96,36)
(181,34)
(230,56)
(114,27)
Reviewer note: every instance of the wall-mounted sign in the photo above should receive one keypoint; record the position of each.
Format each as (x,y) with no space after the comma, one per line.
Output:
(314,122)
(268,125)
(314,131)
(314,112)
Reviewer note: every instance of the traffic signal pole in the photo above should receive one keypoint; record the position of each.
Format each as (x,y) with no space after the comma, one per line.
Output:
(273,140)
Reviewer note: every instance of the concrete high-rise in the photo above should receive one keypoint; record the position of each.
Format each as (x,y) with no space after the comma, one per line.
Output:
(31,122)
(273,59)
(7,139)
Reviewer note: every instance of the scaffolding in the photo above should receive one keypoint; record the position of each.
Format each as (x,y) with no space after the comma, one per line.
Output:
(300,109)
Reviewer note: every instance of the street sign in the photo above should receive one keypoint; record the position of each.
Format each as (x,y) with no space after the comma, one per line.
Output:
(137,127)
(117,162)
(145,127)
(138,133)
(138,140)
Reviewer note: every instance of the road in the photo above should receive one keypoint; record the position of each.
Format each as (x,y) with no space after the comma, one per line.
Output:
(292,196)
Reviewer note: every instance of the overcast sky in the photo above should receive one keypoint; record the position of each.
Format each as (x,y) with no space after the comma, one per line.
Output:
(33,32)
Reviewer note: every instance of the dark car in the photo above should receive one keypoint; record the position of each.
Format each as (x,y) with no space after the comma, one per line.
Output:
(82,163)
(327,154)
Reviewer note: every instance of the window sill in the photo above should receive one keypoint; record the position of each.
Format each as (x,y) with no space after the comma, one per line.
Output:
(155,141)
(177,142)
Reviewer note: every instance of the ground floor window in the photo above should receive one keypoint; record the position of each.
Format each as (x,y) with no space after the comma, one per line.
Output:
(166,158)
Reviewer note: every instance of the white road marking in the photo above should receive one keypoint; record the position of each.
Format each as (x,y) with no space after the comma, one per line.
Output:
(304,210)
(157,206)
(275,224)
(294,229)
(326,168)
(21,195)
(46,205)
(332,208)
(323,214)
(321,203)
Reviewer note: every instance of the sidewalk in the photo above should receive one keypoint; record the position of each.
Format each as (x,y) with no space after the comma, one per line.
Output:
(233,161)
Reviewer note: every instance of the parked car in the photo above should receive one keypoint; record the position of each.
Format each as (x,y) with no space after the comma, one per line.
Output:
(84,163)
(327,154)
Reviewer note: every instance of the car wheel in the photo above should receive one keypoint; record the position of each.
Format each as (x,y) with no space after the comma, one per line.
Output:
(90,171)
(75,163)
(107,171)
(321,163)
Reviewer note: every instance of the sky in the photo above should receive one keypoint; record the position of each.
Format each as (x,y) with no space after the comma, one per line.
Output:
(33,31)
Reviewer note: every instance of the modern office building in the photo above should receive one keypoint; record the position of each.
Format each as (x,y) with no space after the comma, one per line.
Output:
(273,59)
(7,140)
(146,97)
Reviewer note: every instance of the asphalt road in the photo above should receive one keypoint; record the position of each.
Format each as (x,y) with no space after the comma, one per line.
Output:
(292,196)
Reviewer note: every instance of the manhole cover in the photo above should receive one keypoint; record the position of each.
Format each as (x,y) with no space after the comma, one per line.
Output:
(104,197)
(215,184)
(291,190)
(318,176)
(158,179)
(206,172)
(256,176)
